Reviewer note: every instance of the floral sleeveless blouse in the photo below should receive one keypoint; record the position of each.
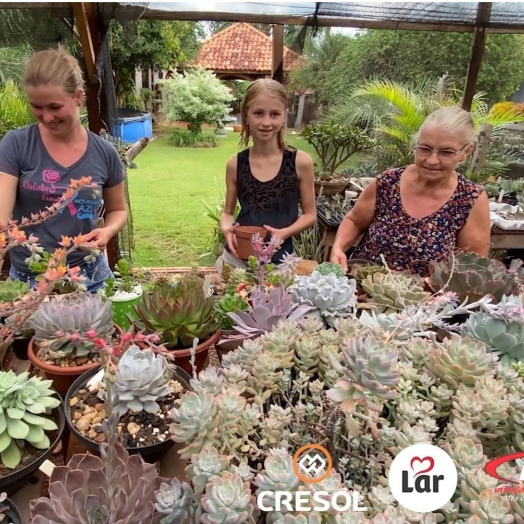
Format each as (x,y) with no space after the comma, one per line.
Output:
(412,243)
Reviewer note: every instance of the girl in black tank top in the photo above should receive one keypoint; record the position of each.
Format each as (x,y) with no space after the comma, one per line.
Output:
(270,179)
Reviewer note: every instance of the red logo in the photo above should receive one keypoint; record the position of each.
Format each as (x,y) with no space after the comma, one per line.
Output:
(421,460)
(491,467)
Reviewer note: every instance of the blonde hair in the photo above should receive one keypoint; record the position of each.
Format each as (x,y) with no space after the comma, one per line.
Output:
(54,67)
(262,86)
(454,119)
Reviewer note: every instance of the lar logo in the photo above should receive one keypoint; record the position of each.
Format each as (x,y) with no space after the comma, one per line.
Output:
(491,469)
(307,466)
(423,478)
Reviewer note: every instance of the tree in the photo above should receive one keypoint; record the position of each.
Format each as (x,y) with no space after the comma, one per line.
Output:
(151,44)
(198,97)
(414,56)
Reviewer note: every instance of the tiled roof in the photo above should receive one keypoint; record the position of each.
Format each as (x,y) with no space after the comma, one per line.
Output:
(241,47)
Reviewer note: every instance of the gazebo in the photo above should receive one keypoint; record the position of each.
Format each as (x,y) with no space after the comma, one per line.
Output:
(241,51)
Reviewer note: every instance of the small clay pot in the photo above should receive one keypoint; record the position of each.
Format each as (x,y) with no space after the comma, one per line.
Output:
(244,235)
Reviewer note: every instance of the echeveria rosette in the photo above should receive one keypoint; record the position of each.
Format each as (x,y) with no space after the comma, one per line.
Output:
(24,403)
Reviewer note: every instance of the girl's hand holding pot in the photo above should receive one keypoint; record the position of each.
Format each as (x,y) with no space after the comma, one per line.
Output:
(231,239)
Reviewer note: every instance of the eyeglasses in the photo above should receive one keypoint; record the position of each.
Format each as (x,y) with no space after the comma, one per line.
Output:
(447,154)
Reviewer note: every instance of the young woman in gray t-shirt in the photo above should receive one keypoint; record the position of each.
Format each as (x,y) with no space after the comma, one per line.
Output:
(37,163)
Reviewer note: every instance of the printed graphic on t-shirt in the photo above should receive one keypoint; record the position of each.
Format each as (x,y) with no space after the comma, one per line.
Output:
(81,208)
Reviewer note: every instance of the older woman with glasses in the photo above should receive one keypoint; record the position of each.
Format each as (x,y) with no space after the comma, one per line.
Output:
(425,211)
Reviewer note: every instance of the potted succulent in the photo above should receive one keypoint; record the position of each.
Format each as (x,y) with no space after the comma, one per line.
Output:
(31,425)
(179,314)
(334,145)
(123,291)
(244,236)
(23,332)
(143,390)
(66,331)
(9,513)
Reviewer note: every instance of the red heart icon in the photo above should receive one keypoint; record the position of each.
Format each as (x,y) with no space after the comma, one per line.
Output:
(418,459)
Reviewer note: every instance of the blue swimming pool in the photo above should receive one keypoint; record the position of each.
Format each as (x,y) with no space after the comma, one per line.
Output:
(133,125)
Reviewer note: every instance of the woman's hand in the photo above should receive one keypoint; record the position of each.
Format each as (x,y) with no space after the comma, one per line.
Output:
(101,236)
(281,234)
(231,239)
(339,257)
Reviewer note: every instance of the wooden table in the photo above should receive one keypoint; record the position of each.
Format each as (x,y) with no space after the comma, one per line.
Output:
(500,239)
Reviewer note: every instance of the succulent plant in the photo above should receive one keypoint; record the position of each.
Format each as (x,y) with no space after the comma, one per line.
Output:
(229,304)
(227,499)
(473,277)
(363,272)
(12,290)
(392,292)
(331,295)
(278,473)
(87,491)
(205,466)
(457,361)
(368,371)
(141,378)
(24,403)
(279,518)
(22,329)
(505,338)
(175,500)
(328,268)
(80,314)
(181,314)
(195,422)
(265,314)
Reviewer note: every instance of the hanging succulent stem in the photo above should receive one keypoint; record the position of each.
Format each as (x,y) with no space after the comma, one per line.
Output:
(192,352)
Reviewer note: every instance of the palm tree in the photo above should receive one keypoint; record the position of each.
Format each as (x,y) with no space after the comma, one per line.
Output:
(394,112)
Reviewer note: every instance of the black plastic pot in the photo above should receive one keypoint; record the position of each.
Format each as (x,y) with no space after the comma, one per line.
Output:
(148,453)
(13,482)
(12,514)
(19,347)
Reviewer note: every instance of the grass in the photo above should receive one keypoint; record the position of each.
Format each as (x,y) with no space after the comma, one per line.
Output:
(167,192)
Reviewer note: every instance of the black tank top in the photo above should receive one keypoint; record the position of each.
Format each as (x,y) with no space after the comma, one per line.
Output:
(273,203)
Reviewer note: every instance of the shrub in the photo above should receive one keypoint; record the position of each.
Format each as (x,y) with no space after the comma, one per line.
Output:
(185,138)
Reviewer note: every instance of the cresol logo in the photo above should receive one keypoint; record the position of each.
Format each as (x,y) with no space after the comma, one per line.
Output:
(312,464)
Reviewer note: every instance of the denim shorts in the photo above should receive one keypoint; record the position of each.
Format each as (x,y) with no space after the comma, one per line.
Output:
(96,274)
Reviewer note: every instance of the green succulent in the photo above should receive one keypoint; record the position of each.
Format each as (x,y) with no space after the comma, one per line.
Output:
(472,277)
(328,268)
(12,290)
(229,304)
(392,292)
(24,400)
(457,361)
(205,466)
(278,474)
(361,273)
(180,313)
(76,314)
(505,337)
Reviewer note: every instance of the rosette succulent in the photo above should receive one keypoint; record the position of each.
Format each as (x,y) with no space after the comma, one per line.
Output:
(227,499)
(473,277)
(76,314)
(331,295)
(180,313)
(505,337)
(25,401)
(229,304)
(205,466)
(12,290)
(328,268)
(457,361)
(368,370)
(175,500)
(79,492)
(391,292)
(278,473)
(141,378)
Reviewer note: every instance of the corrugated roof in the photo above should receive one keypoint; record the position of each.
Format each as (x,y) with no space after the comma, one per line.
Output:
(243,48)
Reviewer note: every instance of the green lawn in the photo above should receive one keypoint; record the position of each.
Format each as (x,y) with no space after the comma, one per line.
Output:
(167,192)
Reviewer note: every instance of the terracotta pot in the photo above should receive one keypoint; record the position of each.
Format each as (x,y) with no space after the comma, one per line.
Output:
(244,234)
(330,188)
(183,356)
(306,267)
(62,377)
(237,129)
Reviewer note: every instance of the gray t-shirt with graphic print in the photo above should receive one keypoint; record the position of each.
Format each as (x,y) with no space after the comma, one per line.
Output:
(42,181)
